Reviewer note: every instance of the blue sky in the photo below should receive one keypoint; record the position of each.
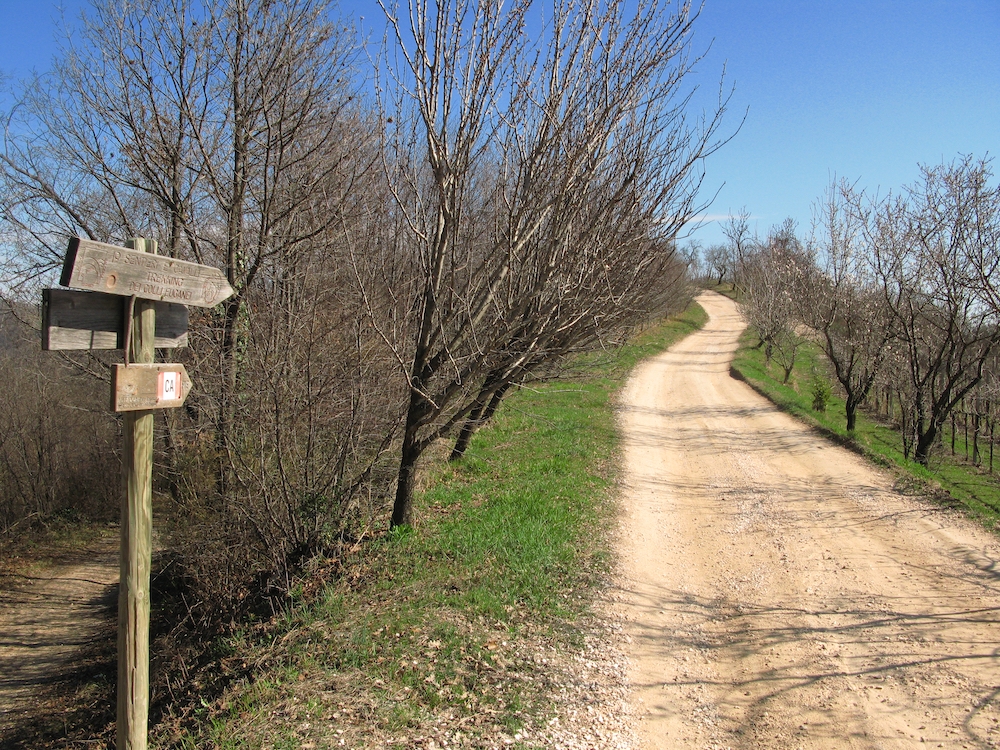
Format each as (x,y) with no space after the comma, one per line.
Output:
(860,90)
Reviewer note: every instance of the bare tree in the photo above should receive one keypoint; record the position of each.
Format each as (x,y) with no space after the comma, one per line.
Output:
(741,244)
(977,211)
(843,302)
(542,165)
(692,255)
(719,258)
(929,251)
(775,277)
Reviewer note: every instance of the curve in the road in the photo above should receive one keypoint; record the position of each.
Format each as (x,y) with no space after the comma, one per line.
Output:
(778,592)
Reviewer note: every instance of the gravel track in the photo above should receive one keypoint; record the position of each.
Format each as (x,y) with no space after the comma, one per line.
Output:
(776,591)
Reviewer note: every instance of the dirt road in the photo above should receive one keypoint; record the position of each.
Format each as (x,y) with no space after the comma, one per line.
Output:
(778,593)
(46,620)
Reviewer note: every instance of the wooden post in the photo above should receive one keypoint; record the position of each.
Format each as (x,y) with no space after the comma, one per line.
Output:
(136,540)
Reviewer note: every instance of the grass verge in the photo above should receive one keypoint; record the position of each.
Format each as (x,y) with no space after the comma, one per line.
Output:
(948,479)
(450,633)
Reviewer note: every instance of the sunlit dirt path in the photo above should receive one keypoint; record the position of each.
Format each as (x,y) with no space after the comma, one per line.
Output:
(778,593)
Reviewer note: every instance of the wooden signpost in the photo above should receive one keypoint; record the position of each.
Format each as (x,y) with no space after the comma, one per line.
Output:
(141,387)
(136,303)
(92,320)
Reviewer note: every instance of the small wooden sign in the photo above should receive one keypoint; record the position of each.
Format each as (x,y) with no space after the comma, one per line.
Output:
(75,320)
(119,270)
(144,387)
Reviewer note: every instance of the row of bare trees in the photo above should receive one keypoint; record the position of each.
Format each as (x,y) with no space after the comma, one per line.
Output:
(903,293)
(555,172)
(502,189)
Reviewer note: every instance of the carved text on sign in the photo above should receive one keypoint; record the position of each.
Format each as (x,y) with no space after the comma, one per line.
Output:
(119,270)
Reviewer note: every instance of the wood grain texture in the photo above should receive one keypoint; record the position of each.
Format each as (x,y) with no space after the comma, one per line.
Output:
(75,320)
(118,270)
(136,543)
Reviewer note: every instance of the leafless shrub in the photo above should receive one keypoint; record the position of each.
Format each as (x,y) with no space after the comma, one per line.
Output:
(58,447)
(775,278)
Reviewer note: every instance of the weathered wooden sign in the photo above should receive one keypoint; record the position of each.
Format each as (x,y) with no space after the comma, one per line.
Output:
(119,270)
(136,301)
(143,386)
(74,320)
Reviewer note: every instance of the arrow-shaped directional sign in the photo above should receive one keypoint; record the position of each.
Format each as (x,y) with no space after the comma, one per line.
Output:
(119,270)
(143,387)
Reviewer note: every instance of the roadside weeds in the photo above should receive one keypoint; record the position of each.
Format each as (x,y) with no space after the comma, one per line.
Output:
(480,627)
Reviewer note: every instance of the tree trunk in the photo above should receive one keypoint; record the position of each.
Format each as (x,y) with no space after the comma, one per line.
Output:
(925,440)
(852,414)
(479,416)
(402,507)
(467,431)
(227,396)
(491,408)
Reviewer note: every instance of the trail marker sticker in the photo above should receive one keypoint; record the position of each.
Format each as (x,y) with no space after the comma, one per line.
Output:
(169,389)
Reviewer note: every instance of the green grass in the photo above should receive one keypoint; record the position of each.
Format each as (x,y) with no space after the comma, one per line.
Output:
(962,483)
(726,289)
(441,623)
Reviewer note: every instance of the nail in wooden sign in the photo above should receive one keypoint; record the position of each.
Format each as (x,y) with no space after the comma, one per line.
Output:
(119,270)
(144,387)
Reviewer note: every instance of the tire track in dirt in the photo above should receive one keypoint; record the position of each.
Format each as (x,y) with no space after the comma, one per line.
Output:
(778,593)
